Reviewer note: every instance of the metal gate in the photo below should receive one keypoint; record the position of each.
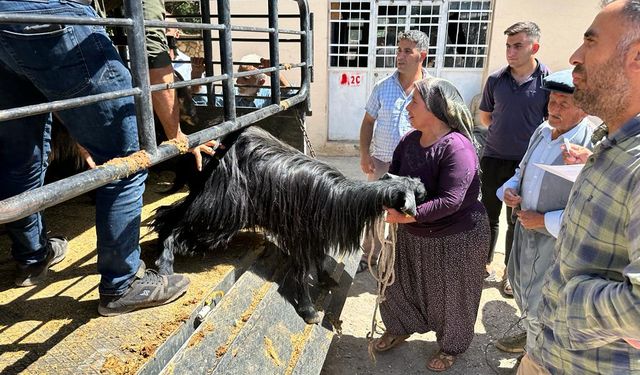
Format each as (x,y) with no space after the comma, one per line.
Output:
(363,44)
(26,203)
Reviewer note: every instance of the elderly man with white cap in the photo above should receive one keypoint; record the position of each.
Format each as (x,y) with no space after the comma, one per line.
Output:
(250,91)
(538,199)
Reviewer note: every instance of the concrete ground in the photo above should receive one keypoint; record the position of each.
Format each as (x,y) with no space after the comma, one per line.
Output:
(348,352)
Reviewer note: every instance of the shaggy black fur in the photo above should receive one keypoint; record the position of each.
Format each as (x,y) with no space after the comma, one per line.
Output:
(307,206)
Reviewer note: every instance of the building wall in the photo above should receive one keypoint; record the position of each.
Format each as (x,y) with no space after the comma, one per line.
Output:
(317,124)
(562,24)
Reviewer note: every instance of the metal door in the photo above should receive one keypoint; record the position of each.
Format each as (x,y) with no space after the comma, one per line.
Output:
(458,46)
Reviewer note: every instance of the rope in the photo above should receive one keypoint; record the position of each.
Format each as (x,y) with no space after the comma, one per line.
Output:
(384,275)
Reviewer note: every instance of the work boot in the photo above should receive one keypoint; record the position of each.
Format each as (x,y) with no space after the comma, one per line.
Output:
(36,273)
(513,344)
(147,290)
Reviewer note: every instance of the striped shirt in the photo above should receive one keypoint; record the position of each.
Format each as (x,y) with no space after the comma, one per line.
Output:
(591,295)
(388,105)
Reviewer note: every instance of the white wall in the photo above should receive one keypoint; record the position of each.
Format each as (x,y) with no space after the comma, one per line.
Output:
(317,124)
(562,24)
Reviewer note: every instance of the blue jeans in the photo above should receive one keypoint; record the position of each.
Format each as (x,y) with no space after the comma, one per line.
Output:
(49,63)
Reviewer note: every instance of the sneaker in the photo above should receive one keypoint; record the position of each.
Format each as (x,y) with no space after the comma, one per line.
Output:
(34,274)
(513,344)
(149,289)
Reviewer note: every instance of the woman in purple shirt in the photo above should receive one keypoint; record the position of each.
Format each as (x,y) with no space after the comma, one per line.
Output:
(441,252)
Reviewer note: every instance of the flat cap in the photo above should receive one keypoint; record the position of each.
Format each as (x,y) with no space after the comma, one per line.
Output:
(561,82)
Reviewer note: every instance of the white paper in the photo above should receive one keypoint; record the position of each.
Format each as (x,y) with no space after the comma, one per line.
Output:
(568,172)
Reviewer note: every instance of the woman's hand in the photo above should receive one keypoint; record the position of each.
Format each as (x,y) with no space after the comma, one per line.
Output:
(395,216)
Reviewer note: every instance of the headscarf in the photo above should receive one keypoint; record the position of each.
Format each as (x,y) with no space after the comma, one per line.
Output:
(445,102)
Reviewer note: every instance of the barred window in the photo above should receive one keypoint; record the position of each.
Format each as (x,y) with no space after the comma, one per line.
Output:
(392,19)
(349,21)
(457,30)
(467,29)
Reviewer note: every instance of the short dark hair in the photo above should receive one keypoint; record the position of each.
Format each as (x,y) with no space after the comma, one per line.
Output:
(631,13)
(418,37)
(530,28)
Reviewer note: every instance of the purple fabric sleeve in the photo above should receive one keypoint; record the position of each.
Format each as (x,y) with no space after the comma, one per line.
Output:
(456,170)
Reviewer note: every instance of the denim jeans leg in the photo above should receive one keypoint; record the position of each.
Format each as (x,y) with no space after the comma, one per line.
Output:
(24,145)
(77,61)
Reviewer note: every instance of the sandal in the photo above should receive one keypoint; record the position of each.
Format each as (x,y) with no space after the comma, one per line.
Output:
(506,288)
(443,359)
(389,341)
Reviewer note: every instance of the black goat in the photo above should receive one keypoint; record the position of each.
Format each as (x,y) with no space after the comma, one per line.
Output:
(308,207)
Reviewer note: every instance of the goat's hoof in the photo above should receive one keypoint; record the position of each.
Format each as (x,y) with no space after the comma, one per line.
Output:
(310,315)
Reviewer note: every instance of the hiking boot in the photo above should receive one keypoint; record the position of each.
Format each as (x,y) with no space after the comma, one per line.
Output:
(147,290)
(34,274)
(513,344)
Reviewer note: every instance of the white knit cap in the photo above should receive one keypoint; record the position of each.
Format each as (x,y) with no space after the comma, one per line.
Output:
(251,59)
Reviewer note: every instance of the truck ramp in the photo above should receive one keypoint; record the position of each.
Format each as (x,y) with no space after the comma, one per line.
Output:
(237,316)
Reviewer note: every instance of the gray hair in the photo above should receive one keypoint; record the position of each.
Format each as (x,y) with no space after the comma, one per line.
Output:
(531,29)
(418,37)
(631,13)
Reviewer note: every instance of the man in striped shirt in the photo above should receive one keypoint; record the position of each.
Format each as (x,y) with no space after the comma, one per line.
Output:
(591,295)
(385,119)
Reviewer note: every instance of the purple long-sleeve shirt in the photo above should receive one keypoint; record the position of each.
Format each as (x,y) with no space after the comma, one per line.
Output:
(449,171)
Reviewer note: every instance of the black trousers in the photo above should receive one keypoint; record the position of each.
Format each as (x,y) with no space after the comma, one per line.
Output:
(495,172)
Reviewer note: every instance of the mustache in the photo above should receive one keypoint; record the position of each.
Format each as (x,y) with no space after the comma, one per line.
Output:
(579,68)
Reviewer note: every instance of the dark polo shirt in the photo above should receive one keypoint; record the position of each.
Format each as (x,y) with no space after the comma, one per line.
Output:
(516,110)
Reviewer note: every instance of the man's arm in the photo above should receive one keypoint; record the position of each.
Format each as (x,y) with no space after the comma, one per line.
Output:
(197,70)
(166,107)
(485,118)
(164,101)
(487,103)
(266,63)
(610,307)
(366,135)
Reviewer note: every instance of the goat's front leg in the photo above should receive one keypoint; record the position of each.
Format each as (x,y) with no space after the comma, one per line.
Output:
(305,306)
(166,258)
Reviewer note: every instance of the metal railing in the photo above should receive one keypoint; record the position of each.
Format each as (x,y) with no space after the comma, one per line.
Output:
(26,203)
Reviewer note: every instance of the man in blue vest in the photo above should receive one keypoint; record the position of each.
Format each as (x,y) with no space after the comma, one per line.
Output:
(538,199)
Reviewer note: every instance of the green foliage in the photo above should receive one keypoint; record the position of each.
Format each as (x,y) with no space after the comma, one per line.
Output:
(185,11)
